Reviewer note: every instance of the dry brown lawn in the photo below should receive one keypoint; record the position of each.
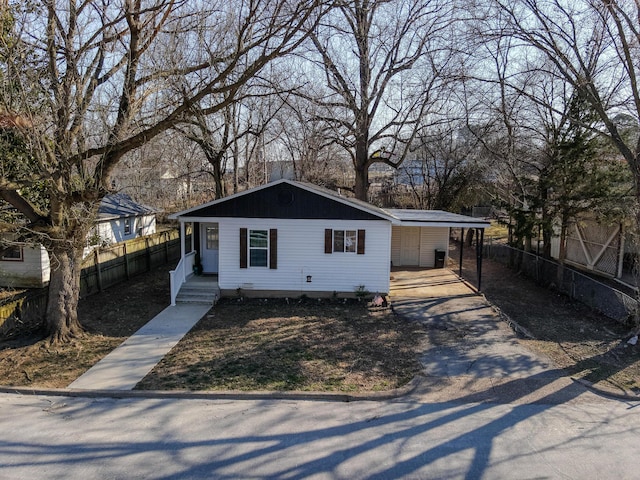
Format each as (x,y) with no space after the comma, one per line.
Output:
(301,344)
(108,317)
(274,345)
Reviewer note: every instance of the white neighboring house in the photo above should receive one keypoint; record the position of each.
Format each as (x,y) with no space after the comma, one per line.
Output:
(119,219)
(24,266)
(290,238)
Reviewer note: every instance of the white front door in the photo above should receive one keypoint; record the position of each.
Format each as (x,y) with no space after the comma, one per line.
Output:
(209,245)
(410,246)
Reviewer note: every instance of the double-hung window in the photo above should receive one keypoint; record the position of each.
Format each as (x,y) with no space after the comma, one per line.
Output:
(345,241)
(258,248)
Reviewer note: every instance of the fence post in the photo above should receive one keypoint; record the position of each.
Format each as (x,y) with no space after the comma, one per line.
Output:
(166,237)
(573,285)
(126,261)
(148,253)
(96,257)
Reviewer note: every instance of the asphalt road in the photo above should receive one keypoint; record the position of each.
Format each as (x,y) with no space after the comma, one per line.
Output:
(69,438)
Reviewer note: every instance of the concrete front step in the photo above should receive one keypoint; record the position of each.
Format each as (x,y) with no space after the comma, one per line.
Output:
(197,294)
(194,300)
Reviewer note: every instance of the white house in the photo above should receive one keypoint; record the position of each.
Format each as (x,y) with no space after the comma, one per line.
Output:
(119,219)
(24,266)
(289,238)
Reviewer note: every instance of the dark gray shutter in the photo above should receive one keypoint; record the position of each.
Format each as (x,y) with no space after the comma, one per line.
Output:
(243,248)
(328,240)
(360,242)
(273,248)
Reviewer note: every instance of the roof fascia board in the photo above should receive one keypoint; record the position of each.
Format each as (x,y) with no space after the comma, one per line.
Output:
(444,224)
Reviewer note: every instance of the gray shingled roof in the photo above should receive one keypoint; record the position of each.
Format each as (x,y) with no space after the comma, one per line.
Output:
(119,205)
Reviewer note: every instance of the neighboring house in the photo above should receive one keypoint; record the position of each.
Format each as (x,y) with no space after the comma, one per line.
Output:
(119,219)
(290,238)
(24,266)
(281,169)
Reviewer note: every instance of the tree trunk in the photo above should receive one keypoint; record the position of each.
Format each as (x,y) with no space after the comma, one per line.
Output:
(562,254)
(361,168)
(218,174)
(469,239)
(64,293)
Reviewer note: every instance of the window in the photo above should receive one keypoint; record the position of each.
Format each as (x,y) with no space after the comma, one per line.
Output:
(212,238)
(127,226)
(258,248)
(12,254)
(344,241)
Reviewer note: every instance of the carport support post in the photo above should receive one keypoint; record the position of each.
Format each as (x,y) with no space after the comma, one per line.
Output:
(479,248)
(461,247)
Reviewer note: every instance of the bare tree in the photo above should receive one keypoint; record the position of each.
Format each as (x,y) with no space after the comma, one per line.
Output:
(593,46)
(110,77)
(314,157)
(382,62)
(446,173)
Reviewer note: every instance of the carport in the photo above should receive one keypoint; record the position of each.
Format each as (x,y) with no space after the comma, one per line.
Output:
(421,238)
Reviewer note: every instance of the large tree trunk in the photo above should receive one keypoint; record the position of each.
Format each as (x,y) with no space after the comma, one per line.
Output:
(361,168)
(64,293)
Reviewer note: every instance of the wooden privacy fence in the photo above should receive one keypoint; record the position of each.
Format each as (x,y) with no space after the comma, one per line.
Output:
(108,266)
(103,268)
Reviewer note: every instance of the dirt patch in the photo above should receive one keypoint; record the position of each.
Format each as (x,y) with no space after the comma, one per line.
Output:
(304,345)
(587,344)
(108,317)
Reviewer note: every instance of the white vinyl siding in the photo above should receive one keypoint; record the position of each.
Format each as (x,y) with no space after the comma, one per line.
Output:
(31,272)
(114,231)
(396,248)
(431,239)
(301,253)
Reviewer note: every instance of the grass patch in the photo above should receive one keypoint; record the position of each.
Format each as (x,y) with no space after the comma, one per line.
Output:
(303,345)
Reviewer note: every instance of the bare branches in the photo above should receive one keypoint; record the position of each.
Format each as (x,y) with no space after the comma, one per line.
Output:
(380,60)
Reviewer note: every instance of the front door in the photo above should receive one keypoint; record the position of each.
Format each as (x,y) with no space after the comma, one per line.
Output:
(210,251)
(410,246)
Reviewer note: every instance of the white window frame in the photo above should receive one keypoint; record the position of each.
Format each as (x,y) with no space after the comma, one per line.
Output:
(258,248)
(352,248)
(127,226)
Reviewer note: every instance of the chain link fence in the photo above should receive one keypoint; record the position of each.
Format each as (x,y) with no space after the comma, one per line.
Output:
(604,298)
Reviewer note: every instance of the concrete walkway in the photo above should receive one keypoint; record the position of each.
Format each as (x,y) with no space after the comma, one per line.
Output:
(129,363)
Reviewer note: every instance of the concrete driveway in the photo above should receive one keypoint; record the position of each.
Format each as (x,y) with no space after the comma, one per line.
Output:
(468,346)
